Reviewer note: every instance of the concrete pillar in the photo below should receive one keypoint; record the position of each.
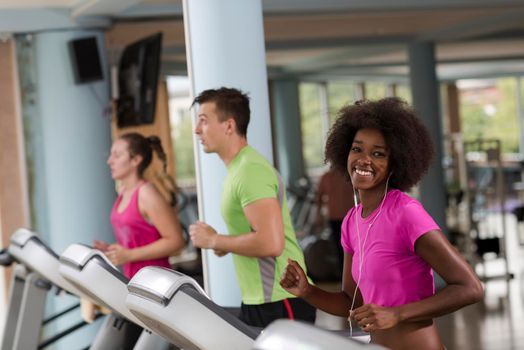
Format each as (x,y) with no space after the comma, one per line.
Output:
(67,142)
(425,92)
(454,130)
(225,47)
(452,93)
(286,126)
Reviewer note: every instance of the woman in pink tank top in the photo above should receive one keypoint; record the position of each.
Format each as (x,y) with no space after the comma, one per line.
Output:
(391,244)
(146,228)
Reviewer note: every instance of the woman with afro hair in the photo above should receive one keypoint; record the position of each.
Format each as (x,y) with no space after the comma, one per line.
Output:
(391,244)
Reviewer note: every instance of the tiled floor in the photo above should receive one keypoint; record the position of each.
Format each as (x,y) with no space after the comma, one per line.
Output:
(496,323)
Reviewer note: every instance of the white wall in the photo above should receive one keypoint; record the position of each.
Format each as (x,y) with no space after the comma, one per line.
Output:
(68,141)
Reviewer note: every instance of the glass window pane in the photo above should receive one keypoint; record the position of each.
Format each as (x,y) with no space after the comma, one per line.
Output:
(181,129)
(340,94)
(404,92)
(375,90)
(311,127)
(488,110)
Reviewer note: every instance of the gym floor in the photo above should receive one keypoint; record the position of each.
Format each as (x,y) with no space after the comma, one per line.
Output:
(496,323)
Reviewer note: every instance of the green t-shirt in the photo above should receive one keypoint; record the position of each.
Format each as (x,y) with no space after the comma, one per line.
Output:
(250,177)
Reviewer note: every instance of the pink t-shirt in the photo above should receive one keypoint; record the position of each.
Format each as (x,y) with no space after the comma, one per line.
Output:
(132,231)
(392,273)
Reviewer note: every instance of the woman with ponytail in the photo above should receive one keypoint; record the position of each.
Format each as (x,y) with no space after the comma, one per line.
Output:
(145,226)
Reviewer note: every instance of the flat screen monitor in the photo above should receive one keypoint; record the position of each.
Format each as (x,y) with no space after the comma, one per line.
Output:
(137,81)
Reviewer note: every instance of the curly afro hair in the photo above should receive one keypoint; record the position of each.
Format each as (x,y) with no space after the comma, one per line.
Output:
(409,142)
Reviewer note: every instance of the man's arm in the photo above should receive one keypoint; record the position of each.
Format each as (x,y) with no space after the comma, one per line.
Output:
(294,280)
(265,239)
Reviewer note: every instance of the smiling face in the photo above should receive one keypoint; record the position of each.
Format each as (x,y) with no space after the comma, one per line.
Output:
(368,160)
(120,161)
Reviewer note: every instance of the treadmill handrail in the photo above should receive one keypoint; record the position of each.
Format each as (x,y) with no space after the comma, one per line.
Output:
(78,255)
(22,236)
(152,295)
(100,261)
(144,283)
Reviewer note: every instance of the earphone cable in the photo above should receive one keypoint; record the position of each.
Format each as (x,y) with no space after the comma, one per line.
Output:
(361,248)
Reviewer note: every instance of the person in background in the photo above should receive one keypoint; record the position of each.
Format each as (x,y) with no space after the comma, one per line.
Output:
(335,194)
(254,208)
(146,227)
(391,244)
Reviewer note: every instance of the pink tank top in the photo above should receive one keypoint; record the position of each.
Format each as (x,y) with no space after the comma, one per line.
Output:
(132,231)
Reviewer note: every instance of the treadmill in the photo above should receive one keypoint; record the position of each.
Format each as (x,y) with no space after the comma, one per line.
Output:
(286,334)
(27,248)
(175,306)
(33,277)
(93,274)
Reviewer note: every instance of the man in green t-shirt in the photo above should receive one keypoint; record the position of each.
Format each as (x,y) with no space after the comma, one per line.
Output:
(254,208)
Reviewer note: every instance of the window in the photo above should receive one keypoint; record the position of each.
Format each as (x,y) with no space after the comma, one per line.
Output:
(312,138)
(488,110)
(403,91)
(181,129)
(340,94)
(375,90)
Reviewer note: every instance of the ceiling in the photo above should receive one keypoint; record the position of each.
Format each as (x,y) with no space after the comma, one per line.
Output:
(317,40)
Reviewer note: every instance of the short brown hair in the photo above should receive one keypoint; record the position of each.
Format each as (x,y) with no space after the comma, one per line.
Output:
(229,102)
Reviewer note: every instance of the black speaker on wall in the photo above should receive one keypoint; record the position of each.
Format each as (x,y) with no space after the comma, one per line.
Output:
(85,58)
